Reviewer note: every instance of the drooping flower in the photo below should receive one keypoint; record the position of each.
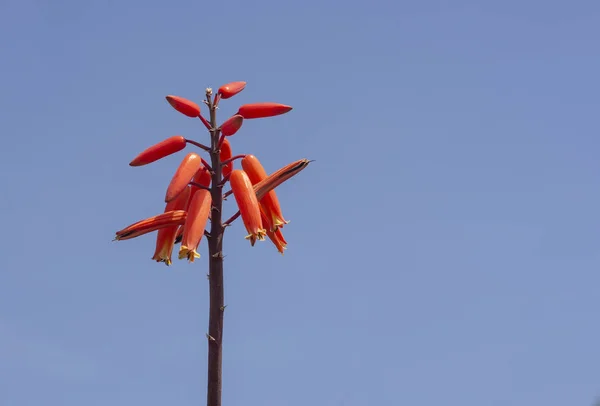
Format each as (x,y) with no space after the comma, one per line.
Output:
(168,219)
(184,106)
(194,227)
(157,151)
(226,154)
(276,237)
(270,202)
(262,110)
(165,237)
(278,177)
(232,125)
(188,167)
(231,89)
(248,205)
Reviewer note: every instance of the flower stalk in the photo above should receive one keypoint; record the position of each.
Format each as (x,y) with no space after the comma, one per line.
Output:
(195,196)
(215,267)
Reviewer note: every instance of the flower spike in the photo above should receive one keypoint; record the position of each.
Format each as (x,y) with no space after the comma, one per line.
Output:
(157,151)
(184,106)
(248,205)
(269,203)
(165,238)
(188,167)
(168,219)
(262,110)
(193,229)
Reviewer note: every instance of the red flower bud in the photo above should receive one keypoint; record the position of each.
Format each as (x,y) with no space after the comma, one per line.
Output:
(184,106)
(231,89)
(194,227)
(184,174)
(232,125)
(157,151)
(261,110)
(226,154)
(248,205)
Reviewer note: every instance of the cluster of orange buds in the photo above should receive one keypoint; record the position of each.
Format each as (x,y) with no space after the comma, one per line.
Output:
(196,189)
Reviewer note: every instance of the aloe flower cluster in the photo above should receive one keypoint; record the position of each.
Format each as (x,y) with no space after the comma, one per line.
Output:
(194,199)
(189,195)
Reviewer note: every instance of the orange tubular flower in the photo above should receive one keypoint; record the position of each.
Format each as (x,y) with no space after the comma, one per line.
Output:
(261,110)
(269,203)
(194,228)
(168,219)
(165,238)
(277,178)
(231,89)
(184,106)
(232,125)
(275,237)
(162,149)
(248,205)
(202,177)
(225,155)
(188,167)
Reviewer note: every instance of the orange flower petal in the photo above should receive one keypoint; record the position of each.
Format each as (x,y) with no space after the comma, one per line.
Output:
(184,106)
(275,237)
(168,219)
(278,177)
(194,227)
(162,149)
(248,205)
(188,167)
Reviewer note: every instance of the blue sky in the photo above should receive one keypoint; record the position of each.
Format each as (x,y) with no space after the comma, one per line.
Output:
(443,246)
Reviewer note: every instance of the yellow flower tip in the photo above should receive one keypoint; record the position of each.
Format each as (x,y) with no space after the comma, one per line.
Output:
(278,223)
(191,255)
(185,252)
(162,257)
(258,236)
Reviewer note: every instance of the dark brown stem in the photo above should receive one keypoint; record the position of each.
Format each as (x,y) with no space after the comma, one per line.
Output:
(204,147)
(225,162)
(215,266)
(231,219)
(227,194)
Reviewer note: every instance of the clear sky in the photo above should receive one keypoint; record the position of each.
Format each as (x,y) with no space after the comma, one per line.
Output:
(443,246)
